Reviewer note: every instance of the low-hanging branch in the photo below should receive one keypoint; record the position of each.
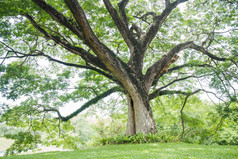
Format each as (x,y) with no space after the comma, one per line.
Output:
(84,106)
(92,101)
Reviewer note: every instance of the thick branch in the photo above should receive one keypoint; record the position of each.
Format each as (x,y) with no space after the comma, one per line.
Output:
(85,106)
(86,32)
(59,17)
(65,44)
(122,6)
(106,60)
(158,21)
(106,56)
(201,49)
(180,67)
(162,65)
(80,17)
(91,102)
(122,27)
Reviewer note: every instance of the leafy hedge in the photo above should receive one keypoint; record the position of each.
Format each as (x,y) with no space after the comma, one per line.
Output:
(134,139)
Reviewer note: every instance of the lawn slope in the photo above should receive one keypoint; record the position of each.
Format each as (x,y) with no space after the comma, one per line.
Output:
(141,151)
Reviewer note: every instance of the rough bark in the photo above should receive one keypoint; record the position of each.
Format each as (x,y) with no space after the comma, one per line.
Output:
(140,119)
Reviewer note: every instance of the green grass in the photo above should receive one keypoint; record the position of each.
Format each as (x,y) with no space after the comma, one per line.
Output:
(141,151)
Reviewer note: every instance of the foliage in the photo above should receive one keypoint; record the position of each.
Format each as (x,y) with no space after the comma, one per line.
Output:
(23,141)
(141,151)
(205,122)
(73,71)
(83,129)
(3,129)
(134,139)
(227,136)
(108,127)
(228,133)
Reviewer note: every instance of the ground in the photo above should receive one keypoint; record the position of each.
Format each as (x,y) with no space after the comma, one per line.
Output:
(143,151)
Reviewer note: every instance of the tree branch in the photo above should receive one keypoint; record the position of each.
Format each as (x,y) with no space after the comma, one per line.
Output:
(157,92)
(113,64)
(121,25)
(122,6)
(144,17)
(157,69)
(84,106)
(40,53)
(91,102)
(80,17)
(81,66)
(59,17)
(170,92)
(201,49)
(158,21)
(167,2)
(187,65)
(86,32)
(137,29)
(180,67)
(65,44)
(54,110)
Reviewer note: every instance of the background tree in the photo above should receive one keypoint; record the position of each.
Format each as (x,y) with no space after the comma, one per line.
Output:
(144,49)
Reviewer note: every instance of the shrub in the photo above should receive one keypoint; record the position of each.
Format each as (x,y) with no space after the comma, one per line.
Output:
(133,139)
(23,141)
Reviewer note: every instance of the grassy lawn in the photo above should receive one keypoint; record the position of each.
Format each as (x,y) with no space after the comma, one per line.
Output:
(150,151)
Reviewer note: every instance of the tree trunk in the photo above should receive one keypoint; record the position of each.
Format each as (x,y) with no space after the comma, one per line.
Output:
(140,119)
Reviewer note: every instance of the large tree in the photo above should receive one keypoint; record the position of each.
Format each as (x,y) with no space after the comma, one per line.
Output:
(145,49)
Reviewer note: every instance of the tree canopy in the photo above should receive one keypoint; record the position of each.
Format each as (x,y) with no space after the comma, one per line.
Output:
(91,49)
